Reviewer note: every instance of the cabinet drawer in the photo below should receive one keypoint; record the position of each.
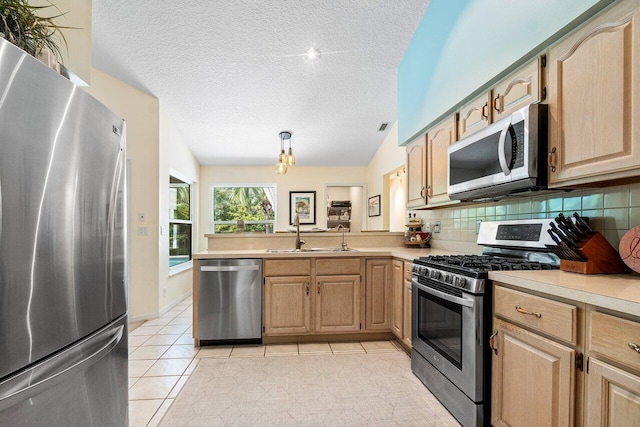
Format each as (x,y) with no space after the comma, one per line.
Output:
(614,338)
(287,267)
(540,314)
(333,266)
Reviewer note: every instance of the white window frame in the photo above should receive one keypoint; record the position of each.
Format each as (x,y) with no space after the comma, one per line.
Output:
(189,264)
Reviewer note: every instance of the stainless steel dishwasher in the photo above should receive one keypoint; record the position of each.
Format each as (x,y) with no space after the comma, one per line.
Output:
(230,300)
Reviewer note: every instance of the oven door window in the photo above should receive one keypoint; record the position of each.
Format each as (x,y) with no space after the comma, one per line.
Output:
(440,326)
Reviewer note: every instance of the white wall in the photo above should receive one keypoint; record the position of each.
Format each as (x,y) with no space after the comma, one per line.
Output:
(298,178)
(174,156)
(397,200)
(388,158)
(76,53)
(141,114)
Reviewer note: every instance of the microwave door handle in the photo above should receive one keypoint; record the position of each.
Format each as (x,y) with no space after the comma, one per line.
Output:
(467,302)
(501,141)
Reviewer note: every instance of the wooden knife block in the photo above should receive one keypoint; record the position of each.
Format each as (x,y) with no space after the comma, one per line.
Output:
(602,258)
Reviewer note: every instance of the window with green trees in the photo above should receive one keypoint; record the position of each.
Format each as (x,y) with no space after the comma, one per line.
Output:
(180,223)
(237,208)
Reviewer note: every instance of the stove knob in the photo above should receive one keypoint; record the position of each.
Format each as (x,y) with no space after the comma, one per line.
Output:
(460,281)
(448,278)
(434,274)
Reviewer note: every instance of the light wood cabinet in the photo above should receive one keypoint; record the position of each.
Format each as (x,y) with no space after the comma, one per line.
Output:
(519,89)
(337,307)
(406,329)
(378,295)
(553,318)
(613,392)
(325,300)
(613,396)
(287,305)
(475,115)
(397,299)
(438,140)
(536,377)
(533,379)
(417,172)
(522,87)
(594,78)
(539,380)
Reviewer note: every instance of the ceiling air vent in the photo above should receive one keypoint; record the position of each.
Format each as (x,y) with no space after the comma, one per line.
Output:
(383,126)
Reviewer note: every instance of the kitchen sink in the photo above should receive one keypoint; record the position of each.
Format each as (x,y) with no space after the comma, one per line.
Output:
(291,251)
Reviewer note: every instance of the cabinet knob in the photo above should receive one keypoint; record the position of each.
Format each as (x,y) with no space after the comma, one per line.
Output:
(318,286)
(551,159)
(635,347)
(485,112)
(307,288)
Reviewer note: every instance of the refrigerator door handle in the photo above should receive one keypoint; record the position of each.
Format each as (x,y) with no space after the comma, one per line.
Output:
(57,369)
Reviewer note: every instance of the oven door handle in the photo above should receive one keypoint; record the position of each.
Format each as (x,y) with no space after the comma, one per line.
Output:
(467,302)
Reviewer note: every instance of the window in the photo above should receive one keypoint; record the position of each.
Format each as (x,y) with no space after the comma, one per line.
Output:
(180,224)
(248,208)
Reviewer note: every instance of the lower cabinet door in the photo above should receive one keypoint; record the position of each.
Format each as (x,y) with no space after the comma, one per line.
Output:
(613,396)
(533,382)
(406,330)
(337,303)
(287,307)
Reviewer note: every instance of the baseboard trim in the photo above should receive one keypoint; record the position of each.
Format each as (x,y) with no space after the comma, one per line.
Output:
(163,311)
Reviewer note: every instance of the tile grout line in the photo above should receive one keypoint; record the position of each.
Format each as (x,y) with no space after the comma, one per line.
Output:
(391,346)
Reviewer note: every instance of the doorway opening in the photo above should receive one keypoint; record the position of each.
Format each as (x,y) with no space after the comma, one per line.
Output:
(344,206)
(395,188)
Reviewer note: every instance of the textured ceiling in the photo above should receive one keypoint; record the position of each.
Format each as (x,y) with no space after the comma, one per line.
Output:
(231,76)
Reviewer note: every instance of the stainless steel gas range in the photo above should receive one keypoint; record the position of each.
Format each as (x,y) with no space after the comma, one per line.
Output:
(451,313)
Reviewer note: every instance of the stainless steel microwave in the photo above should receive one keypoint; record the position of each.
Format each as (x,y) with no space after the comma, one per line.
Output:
(507,156)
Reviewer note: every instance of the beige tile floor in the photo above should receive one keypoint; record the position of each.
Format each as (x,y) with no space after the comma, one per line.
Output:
(162,357)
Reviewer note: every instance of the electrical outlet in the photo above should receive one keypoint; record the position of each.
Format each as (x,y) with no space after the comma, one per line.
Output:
(436,227)
(164,292)
(162,229)
(143,231)
(141,216)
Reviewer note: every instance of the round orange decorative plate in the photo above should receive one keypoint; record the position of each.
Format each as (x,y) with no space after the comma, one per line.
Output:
(630,248)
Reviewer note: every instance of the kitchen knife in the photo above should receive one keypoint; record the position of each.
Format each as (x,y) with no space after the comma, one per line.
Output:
(568,232)
(564,237)
(570,226)
(584,226)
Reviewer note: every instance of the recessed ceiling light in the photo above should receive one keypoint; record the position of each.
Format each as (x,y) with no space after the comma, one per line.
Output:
(312,54)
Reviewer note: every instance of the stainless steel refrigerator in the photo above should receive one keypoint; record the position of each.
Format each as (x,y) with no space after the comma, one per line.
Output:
(63,312)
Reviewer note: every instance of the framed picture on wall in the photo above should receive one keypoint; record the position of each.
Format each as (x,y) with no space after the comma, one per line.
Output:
(374,205)
(302,203)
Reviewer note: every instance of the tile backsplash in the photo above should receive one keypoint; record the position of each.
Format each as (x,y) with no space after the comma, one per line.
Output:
(611,210)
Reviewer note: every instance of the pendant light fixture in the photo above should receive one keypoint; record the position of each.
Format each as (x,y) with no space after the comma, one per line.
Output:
(285,159)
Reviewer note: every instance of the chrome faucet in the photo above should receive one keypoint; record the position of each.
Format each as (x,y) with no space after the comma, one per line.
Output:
(299,242)
(344,245)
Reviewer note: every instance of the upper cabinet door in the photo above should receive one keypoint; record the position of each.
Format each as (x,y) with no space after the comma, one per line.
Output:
(594,82)
(417,172)
(474,116)
(439,138)
(521,88)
